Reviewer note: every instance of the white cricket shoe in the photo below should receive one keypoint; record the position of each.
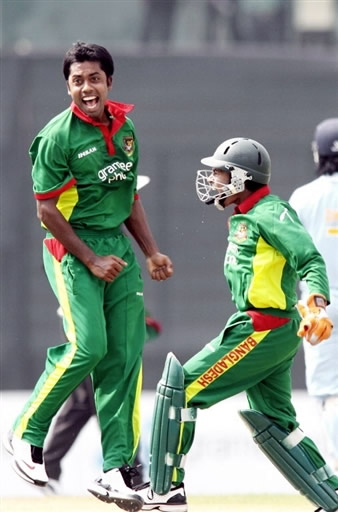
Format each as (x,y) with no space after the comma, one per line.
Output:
(115,486)
(174,501)
(27,459)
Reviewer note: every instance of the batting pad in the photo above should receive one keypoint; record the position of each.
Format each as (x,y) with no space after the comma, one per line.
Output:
(284,451)
(168,415)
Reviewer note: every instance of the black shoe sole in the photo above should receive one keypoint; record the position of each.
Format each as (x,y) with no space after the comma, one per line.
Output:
(130,504)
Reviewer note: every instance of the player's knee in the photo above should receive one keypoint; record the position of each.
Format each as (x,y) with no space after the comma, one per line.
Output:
(93,352)
(98,354)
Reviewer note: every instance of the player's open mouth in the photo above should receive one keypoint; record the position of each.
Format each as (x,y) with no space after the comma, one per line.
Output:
(90,101)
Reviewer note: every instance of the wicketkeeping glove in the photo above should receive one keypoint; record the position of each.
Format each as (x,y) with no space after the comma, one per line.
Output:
(316,325)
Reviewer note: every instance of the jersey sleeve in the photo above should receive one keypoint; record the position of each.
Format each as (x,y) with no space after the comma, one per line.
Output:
(51,174)
(285,232)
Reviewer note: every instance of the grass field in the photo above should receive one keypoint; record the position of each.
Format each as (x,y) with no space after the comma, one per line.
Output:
(250,503)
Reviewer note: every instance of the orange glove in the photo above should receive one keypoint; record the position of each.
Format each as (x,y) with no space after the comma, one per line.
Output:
(316,325)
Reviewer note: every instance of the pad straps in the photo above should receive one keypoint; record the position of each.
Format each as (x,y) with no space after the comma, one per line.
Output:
(182,415)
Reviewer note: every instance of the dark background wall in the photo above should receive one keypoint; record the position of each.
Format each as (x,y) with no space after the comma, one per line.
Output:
(185,106)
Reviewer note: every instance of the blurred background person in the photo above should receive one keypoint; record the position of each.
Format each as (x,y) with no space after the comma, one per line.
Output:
(264,21)
(158,22)
(317,206)
(222,16)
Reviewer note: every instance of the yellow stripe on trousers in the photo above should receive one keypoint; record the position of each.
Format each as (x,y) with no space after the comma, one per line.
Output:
(225,363)
(64,363)
(136,412)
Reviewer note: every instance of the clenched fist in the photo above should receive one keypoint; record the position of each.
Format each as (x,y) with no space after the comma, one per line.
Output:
(160,266)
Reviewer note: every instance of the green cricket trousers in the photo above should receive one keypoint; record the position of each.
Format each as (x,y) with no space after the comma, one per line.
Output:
(105,327)
(254,353)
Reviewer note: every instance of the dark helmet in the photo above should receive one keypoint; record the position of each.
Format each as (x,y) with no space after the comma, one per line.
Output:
(325,141)
(325,146)
(246,154)
(244,159)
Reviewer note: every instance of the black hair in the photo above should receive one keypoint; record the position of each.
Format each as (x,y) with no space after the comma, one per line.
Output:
(253,185)
(327,165)
(81,52)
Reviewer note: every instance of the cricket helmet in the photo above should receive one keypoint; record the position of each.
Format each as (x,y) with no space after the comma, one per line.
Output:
(245,159)
(325,141)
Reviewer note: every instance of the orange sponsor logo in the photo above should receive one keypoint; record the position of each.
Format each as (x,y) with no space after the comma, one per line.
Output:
(331,215)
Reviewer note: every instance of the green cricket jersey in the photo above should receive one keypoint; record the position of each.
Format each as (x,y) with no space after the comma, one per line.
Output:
(82,162)
(269,251)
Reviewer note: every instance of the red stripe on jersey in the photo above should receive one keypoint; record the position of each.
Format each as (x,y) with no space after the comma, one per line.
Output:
(56,192)
(263,322)
(55,248)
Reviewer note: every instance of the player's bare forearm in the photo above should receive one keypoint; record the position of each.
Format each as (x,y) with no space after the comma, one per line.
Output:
(159,265)
(138,226)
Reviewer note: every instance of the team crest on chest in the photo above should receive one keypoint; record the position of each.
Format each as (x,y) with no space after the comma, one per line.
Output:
(241,233)
(128,145)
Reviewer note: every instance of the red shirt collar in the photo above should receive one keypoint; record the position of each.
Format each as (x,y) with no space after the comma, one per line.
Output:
(117,111)
(250,201)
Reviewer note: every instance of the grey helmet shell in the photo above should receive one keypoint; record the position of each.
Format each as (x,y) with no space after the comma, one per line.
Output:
(247,154)
(326,138)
